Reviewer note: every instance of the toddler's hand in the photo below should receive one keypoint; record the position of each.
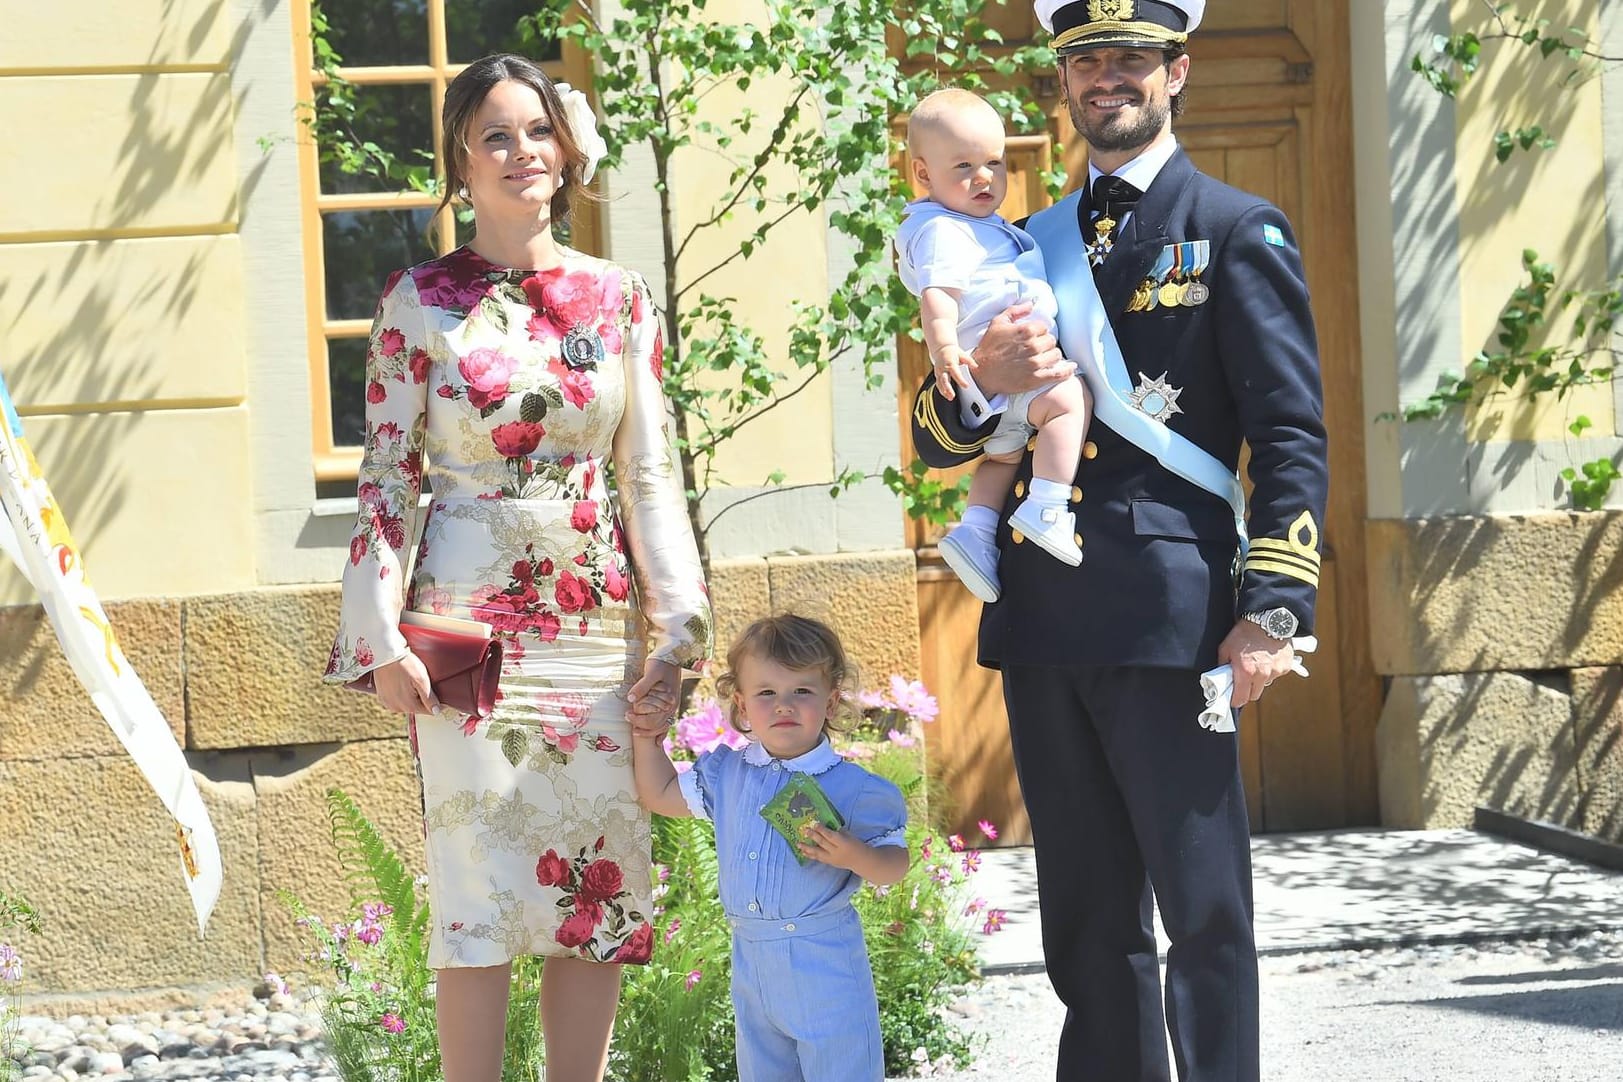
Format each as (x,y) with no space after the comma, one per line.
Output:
(835,847)
(951,367)
(652,700)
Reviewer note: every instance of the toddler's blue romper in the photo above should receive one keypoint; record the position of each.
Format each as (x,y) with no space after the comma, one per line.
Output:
(802,988)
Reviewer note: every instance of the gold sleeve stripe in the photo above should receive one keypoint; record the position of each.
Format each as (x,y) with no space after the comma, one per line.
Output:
(1309,566)
(1295,571)
(924,413)
(1284,549)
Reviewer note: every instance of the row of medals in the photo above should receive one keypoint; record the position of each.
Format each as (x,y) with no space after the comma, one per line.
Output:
(1173,294)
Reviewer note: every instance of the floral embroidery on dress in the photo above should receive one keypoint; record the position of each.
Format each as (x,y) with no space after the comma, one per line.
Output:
(516,391)
(592,889)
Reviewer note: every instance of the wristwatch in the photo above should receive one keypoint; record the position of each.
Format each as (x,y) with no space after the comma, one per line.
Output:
(1278,624)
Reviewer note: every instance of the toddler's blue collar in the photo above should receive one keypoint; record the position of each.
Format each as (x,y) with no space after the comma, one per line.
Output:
(816,761)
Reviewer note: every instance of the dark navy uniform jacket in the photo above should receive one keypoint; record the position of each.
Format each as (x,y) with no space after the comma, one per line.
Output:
(1156,586)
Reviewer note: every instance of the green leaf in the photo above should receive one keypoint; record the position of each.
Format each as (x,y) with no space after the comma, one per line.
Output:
(514,744)
(533,408)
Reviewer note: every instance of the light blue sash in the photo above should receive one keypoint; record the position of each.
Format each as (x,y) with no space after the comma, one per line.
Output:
(1088,341)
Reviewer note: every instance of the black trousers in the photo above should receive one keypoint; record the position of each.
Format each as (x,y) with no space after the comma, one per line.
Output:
(1127,795)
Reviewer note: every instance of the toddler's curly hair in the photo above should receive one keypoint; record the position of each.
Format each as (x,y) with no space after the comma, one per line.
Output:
(795,642)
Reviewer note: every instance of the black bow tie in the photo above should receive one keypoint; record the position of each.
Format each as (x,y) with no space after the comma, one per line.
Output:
(1113,195)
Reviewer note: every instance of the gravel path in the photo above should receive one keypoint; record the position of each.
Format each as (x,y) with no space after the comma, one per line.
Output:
(1544,1009)
(1496,1012)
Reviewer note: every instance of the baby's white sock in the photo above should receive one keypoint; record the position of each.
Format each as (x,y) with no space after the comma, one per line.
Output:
(981,522)
(1049,493)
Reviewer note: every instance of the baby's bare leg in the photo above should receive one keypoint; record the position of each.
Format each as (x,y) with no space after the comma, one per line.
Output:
(993,478)
(1061,417)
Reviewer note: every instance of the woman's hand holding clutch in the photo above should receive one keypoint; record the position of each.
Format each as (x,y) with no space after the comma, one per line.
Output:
(404,688)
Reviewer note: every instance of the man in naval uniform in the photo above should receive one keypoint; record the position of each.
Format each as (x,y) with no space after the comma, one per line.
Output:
(1130,798)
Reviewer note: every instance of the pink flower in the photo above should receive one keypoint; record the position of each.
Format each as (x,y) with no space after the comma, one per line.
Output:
(566,298)
(584,517)
(974,907)
(942,874)
(274,982)
(547,625)
(955,842)
(369,932)
(656,358)
(392,1023)
(693,977)
(487,372)
(638,947)
(516,438)
(454,284)
(419,365)
(573,593)
(987,829)
(911,698)
(552,870)
(706,729)
(603,743)
(972,862)
(391,341)
(615,584)
(577,387)
(357,549)
(995,920)
(601,879)
(363,653)
(672,928)
(564,742)
(376,392)
(900,739)
(576,929)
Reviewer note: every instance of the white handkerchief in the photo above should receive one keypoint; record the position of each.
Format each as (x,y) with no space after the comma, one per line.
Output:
(1217,685)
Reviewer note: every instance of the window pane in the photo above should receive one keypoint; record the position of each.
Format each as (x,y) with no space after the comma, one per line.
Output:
(346,381)
(378,33)
(474,28)
(399,120)
(362,248)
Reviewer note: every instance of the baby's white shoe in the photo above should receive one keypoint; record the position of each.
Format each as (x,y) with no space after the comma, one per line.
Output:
(1051,529)
(972,560)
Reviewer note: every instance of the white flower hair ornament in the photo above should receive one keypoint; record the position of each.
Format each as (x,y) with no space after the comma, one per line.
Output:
(583,125)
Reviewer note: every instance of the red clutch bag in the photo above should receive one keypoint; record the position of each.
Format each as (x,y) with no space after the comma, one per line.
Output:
(463,666)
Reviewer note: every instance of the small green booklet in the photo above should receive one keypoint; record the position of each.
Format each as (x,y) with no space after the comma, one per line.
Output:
(801,801)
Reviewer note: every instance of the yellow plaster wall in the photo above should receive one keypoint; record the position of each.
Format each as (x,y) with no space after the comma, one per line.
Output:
(157,500)
(83,34)
(123,326)
(1551,200)
(797,437)
(159,156)
(130,321)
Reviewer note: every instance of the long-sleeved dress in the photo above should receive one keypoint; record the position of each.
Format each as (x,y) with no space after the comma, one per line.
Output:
(520,388)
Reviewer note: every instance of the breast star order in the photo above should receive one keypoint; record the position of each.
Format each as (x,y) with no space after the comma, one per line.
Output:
(1156,398)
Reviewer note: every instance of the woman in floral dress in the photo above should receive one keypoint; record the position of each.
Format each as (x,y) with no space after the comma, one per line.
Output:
(522,369)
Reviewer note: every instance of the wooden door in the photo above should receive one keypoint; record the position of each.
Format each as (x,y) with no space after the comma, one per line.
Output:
(1267,110)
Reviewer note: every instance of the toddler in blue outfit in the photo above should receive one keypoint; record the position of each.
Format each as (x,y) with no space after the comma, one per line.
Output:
(802,988)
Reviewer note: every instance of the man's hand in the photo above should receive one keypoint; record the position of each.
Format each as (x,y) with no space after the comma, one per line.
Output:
(951,367)
(1256,658)
(1018,354)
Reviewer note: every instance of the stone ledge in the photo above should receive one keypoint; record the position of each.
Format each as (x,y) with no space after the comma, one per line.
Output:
(1496,593)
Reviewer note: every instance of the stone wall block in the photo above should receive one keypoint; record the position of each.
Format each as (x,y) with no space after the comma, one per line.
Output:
(1597,718)
(1449,743)
(741,592)
(298,855)
(88,843)
(45,713)
(254,662)
(1496,592)
(871,599)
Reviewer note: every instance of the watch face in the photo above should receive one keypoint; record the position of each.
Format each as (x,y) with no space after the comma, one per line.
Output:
(1280,623)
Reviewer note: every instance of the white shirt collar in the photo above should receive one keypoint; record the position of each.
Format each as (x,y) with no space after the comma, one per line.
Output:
(816,761)
(1142,170)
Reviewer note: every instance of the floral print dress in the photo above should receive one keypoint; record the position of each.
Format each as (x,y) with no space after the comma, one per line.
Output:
(520,389)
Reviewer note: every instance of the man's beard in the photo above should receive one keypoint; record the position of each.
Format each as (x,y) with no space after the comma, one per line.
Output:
(1113,133)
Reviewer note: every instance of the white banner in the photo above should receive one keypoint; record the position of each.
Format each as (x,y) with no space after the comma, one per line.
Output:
(35,536)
